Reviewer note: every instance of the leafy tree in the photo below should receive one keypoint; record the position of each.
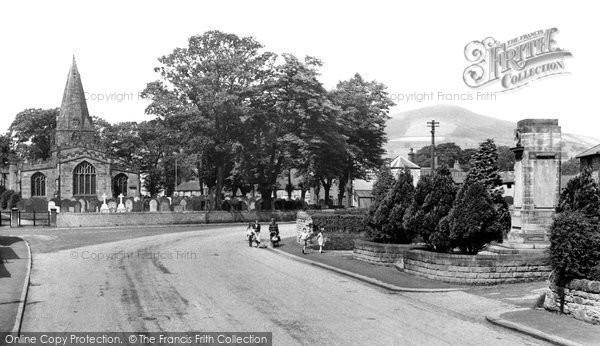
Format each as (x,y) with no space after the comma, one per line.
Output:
(570,167)
(574,246)
(434,196)
(7,153)
(203,92)
(387,225)
(473,221)
(33,131)
(447,154)
(364,112)
(506,159)
(581,194)
(291,120)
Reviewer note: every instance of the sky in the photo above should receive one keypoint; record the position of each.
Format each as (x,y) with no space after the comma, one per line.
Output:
(414,48)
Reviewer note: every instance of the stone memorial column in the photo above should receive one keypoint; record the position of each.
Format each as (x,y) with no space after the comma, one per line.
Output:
(537,182)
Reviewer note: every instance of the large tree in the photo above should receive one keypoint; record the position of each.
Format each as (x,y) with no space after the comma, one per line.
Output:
(364,111)
(33,131)
(205,87)
(7,153)
(291,124)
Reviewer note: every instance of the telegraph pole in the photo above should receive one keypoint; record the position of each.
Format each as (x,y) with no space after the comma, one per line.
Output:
(433,124)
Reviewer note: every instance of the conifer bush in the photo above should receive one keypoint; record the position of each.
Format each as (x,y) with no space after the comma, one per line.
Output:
(473,222)
(574,246)
(387,225)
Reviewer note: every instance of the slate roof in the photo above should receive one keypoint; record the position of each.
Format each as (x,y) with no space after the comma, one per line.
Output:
(401,162)
(591,151)
(363,193)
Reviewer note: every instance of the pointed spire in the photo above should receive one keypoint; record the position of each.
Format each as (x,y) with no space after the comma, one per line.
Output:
(74,123)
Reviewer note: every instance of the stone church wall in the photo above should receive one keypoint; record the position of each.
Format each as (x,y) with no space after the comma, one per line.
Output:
(26,186)
(103,178)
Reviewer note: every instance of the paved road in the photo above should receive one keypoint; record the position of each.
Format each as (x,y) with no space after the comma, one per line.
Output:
(208,279)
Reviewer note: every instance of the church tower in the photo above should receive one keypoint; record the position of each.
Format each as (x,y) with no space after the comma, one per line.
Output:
(74,124)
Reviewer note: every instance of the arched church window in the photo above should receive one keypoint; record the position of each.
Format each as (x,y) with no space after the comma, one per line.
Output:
(84,179)
(120,184)
(38,185)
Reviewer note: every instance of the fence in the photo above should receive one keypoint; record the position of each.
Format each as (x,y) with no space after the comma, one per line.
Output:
(17,218)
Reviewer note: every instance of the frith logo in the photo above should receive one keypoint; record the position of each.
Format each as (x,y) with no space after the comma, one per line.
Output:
(514,63)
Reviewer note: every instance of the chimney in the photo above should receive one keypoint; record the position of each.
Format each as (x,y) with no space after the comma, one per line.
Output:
(411,155)
(456,166)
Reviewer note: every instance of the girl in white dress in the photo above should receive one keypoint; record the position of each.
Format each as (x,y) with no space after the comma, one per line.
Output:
(321,239)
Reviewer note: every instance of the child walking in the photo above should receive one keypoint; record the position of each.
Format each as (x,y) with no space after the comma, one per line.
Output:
(321,239)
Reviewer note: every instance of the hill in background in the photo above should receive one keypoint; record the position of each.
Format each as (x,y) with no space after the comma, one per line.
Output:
(465,128)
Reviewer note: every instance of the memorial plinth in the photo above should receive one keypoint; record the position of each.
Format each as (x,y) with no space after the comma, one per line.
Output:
(537,182)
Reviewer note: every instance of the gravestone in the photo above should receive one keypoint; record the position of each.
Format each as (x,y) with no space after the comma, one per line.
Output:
(51,205)
(165,206)
(71,209)
(129,205)
(76,208)
(83,204)
(153,206)
(94,205)
(537,182)
(65,204)
(112,206)
(183,205)
(138,206)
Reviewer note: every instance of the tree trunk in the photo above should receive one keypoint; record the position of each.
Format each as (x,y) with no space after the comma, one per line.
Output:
(343,181)
(289,187)
(326,187)
(218,186)
(350,192)
(267,198)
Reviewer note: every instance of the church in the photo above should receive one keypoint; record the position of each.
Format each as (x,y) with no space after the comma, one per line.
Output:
(78,168)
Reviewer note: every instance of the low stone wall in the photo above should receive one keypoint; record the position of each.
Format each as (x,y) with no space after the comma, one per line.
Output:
(67,220)
(581,300)
(381,254)
(481,269)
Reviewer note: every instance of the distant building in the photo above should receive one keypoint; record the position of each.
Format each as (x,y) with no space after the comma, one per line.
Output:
(590,158)
(400,163)
(189,188)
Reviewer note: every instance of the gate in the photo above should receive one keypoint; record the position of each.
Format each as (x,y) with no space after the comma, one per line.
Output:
(4,218)
(17,218)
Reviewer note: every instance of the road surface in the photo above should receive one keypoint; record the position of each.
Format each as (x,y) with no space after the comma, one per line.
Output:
(208,279)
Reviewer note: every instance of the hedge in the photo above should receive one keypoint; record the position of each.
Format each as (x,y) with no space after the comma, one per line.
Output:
(339,223)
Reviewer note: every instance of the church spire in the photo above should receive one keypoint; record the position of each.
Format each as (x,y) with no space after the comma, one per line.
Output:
(74,124)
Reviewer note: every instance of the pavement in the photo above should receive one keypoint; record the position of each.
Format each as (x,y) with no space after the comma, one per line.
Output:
(15,267)
(526,317)
(344,263)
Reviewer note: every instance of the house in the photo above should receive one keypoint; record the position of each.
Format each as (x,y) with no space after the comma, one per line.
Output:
(590,158)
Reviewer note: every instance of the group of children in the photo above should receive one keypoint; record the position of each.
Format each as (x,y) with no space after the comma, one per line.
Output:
(307,233)
(253,235)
